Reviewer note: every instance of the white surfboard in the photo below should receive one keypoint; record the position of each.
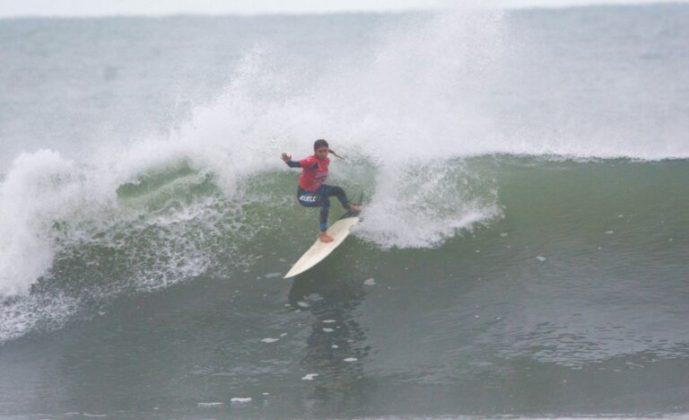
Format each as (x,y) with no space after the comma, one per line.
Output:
(319,250)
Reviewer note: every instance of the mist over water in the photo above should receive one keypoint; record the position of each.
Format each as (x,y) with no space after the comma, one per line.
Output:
(499,153)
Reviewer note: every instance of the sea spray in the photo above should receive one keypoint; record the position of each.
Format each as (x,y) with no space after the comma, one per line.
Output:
(40,191)
(416,107)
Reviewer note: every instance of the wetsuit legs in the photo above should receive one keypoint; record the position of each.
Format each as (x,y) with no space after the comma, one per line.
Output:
(325,192)
(321,198)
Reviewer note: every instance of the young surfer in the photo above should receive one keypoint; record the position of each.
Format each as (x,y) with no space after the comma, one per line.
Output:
(312,192)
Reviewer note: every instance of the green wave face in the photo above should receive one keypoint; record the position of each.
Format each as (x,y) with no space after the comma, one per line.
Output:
(174,224)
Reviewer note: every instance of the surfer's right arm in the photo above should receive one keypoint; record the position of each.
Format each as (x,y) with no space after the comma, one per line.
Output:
(288,160)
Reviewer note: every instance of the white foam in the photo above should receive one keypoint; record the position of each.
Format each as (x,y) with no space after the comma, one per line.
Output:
(42,192)
(270,340)
(370,282)
(39,190)
(315,297)
(240,400)
(210,404)
(309,377)
(22,314)
(49,203)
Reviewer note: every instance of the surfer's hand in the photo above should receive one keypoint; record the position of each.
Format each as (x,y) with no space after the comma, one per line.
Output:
(286,157)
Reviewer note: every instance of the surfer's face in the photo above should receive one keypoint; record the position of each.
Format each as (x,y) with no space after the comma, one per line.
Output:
(322,153)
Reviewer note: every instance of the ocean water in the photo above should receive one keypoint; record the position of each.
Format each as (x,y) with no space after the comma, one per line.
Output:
(525,243)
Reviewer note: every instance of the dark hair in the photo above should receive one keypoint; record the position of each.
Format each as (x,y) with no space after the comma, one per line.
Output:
(320,143)
(323,143)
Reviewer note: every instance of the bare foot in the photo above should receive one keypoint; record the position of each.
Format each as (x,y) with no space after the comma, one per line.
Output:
(324,237)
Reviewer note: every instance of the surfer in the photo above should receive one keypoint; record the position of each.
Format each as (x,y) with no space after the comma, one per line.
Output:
(312,192)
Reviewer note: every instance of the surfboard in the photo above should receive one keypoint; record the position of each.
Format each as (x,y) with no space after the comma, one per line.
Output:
(319,250)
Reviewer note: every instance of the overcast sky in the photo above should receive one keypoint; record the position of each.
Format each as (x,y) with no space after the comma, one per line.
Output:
(9,8)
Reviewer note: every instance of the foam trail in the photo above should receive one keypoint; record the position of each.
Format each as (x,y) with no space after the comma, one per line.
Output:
(422,207)
(414,114)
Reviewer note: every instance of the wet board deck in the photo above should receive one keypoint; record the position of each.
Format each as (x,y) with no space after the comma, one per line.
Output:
(319,250)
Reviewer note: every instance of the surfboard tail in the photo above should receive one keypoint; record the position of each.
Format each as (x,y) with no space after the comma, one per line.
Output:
(350,213)
(319,250)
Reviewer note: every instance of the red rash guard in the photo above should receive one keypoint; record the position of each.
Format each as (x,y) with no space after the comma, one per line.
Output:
(314,173)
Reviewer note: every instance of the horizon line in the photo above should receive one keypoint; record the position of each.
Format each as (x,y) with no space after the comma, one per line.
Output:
(517,5)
